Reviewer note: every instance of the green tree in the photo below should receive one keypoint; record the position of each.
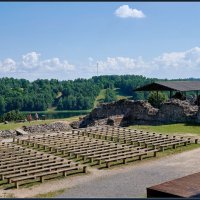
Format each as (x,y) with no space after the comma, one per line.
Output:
(110,95)
(2,105)
(155,99)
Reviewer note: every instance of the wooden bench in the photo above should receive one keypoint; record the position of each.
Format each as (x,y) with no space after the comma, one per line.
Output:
(124,158)
(26,162)
(42,176)
(33,172)
(28,169)
(22,166)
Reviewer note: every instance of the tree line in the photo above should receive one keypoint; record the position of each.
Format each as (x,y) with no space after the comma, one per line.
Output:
(79,94)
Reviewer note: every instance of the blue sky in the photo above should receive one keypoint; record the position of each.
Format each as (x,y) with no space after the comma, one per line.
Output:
(66,40)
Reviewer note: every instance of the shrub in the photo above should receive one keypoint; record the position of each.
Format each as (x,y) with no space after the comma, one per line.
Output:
(156,100)
(12,116)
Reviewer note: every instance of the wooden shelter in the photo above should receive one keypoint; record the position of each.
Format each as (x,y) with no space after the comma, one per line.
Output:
(178,86)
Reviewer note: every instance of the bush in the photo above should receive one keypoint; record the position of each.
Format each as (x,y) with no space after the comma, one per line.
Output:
(156,101)
(13,115)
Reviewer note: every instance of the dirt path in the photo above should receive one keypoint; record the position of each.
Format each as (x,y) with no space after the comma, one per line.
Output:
(126,181)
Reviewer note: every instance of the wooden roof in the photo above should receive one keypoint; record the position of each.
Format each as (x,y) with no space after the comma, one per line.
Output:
(182,86)
(187,186)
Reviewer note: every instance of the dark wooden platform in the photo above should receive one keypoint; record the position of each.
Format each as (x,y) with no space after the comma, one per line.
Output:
(187,186)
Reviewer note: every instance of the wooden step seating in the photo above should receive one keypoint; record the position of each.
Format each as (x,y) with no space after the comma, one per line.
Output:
(20,165)
(134,137)
(86,148)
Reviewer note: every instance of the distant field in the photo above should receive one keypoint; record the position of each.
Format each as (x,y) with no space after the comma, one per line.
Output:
(13,125)
(100,98)
(170,128)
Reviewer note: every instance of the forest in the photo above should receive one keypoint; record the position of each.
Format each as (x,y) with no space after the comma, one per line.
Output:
(79,94)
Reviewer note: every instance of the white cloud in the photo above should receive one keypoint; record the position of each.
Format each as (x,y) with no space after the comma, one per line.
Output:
(118,65)
(31,66)
(56,64)
(30,60)
(126,12)
(189,58)
(183,64)
(8,65)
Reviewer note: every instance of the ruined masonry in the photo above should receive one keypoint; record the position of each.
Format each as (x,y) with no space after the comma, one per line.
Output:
(126,112)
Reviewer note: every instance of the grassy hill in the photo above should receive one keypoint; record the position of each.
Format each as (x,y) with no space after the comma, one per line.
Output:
(100,98)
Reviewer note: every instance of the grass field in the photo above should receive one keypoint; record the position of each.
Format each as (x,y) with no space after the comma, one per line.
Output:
(101,96)
(170,128)
(13,125)
(52,110)
(50,194)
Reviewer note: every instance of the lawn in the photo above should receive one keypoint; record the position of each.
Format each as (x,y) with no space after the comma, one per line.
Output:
(170,128)
(13,125)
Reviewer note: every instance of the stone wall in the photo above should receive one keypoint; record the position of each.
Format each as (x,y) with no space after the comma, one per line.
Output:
(176,110)
(132,112)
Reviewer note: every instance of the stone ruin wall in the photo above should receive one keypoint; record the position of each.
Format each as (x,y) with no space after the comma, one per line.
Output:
(124,112)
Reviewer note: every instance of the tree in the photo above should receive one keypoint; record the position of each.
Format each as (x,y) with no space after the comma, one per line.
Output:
(110,95)
(12,116)
(155,99)
(2,105)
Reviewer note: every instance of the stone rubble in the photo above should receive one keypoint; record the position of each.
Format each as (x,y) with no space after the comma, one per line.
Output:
(131,112)
(43,128)
(7,134)
(36,129)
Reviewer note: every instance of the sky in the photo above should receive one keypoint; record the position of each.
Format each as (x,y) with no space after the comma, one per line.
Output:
(68,40)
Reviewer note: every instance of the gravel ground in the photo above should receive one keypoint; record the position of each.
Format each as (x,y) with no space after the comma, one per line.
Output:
(131,181)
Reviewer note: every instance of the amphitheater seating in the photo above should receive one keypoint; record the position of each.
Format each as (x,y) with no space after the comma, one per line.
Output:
(19,164)
(134,137)
(86,148)
(24,160)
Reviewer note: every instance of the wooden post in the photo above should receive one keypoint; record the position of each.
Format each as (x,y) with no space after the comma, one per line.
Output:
(170,94)
(108,164)
(64,173)
(140,157)
(157,98)
(41,179)
(84,169)
(91,160)
(124,161)
(16,185)
(162,149)
(99,162)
